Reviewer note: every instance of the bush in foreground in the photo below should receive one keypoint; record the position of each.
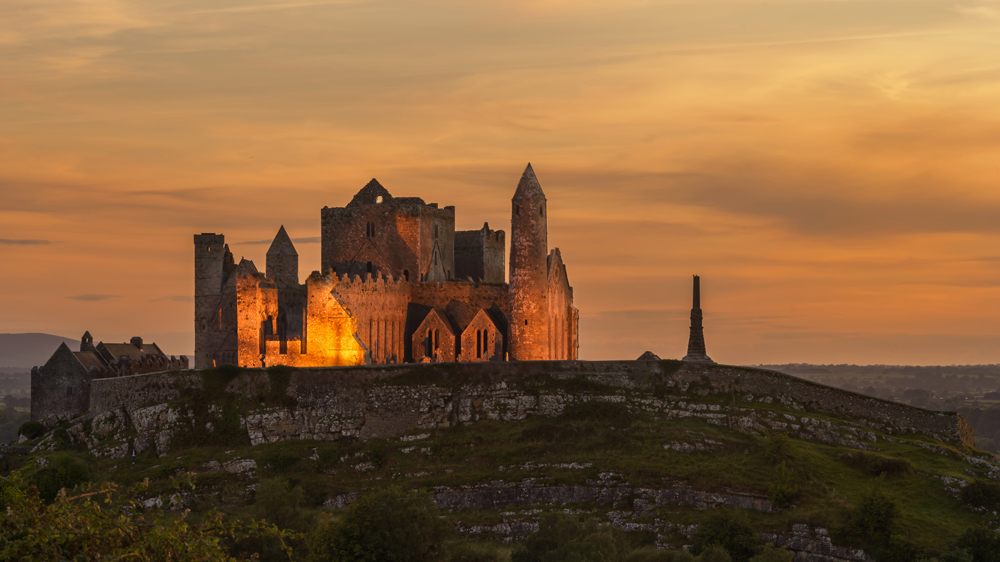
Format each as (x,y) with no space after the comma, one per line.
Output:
(105,524)
(388,525)
(562,538)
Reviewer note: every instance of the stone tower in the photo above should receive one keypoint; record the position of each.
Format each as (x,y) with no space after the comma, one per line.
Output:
(209,266)
(528,332)
(696,342)
(282,263)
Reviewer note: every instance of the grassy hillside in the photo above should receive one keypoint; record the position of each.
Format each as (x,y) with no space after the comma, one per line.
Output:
(599,458)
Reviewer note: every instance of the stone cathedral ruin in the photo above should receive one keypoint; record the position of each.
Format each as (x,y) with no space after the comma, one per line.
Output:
(397,284)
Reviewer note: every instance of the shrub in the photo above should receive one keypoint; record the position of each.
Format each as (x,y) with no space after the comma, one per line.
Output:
(982,493)
(771,554)
(562,538)
(729,529)
(378,452)
(871,521)
(31,430)
(105,524)
(783,491)
(610,413)
(715,553)
(981,543)
(279,461)
(777,448)
(63,471)
(388,524)
(876,465)
(279,503)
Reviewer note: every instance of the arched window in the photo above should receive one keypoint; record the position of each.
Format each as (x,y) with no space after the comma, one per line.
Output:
(437,338)
(479,344)
(429,344)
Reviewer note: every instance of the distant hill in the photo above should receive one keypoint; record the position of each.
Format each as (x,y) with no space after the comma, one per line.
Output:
(29,350)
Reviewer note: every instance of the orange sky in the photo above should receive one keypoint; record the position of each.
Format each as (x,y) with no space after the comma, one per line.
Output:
(830,169)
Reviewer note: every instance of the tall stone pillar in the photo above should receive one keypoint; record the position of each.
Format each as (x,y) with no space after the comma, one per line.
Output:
(528,337)
(696,341)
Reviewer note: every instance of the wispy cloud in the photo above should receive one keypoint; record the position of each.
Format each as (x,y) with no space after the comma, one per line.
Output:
(24,242)
(93,297)
(174,298)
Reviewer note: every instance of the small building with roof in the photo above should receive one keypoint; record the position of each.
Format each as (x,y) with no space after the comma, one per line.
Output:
(61,387)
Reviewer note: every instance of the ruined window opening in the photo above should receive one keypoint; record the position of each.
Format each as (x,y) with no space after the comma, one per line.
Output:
(435,231)
(525,322)
(479,344)
(378,200)
(406,274)
(517,209)
(430,343)
(369,267)
(69,391)
(541,210)
(437,339)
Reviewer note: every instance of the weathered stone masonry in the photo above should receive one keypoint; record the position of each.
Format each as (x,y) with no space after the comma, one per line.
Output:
(387,262)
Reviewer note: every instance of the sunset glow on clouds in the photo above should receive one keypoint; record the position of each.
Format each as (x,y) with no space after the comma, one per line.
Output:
(830,169)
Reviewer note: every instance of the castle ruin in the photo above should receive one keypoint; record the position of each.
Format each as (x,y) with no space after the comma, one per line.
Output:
(397,284)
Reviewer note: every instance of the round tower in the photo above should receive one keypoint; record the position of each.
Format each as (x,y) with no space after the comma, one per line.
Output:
(209,252)
(528,331)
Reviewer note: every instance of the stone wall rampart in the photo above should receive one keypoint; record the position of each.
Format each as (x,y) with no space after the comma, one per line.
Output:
(389,400)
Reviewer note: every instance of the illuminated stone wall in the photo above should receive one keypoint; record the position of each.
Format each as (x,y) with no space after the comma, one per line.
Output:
(563,316)
(379,308)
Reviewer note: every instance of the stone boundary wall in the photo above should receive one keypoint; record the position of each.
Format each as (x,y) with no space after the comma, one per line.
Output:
(136,391)
(389,400)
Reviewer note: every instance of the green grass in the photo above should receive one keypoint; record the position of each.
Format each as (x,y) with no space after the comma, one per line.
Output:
(828,483)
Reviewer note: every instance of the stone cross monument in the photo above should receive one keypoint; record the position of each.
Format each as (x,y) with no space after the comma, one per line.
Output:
(696,343)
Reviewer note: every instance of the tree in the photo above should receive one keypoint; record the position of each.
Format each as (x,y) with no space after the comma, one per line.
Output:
(388,525)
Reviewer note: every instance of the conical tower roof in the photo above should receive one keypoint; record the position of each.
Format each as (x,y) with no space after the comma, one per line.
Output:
(282,244)
(528,187)
(371,194)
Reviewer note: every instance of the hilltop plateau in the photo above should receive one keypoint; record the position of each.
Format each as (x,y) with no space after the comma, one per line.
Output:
(651,447)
